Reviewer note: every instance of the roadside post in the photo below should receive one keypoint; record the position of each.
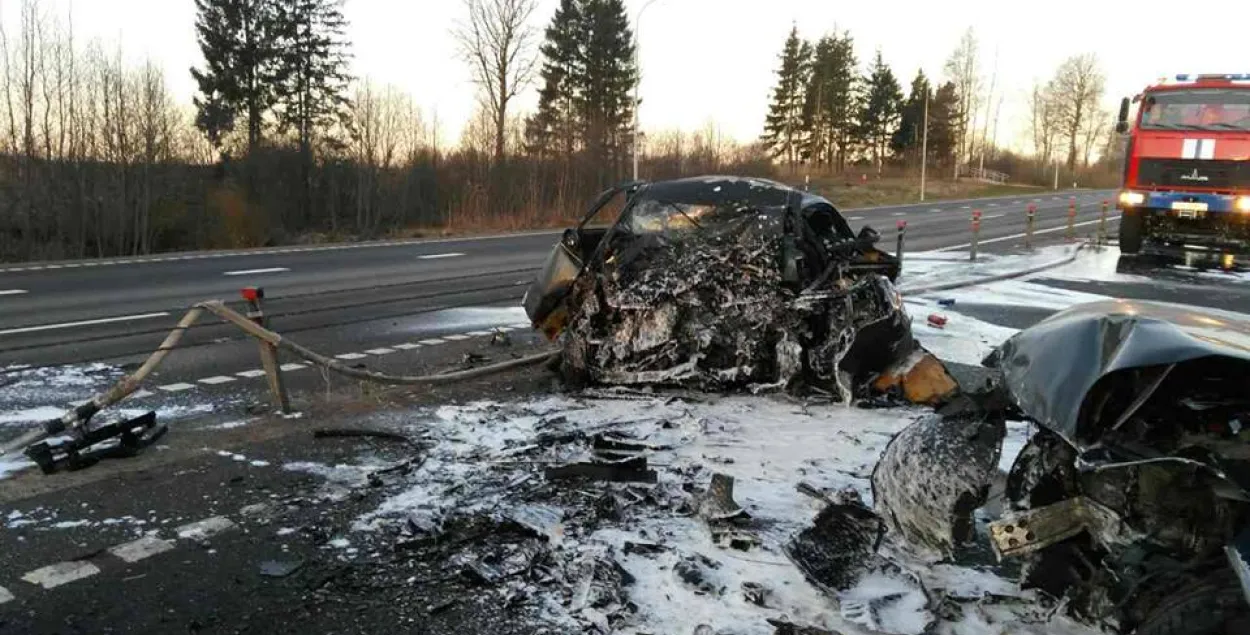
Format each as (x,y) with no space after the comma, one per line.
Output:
(1071,219)
(268,352)
(976,233)
(1102,223)
(898,249)
(1028,227)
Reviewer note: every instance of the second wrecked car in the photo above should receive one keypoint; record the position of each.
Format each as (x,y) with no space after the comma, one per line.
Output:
(1131,501)
(724,283)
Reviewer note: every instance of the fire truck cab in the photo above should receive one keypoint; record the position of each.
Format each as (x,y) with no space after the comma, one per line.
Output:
(1186,184)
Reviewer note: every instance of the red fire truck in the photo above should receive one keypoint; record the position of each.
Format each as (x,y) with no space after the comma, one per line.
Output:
(1187,170)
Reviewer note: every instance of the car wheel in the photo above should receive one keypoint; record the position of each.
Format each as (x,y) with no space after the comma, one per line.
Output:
(1132,226)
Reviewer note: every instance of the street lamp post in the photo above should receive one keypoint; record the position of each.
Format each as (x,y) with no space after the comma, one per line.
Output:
(637,82)
(924,142)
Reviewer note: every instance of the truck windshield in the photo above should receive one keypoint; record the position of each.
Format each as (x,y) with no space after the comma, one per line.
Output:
(1199,109)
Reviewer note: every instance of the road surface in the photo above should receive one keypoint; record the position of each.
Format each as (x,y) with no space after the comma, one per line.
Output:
(347,299)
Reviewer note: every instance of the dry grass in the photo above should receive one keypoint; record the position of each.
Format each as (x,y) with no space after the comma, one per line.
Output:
(849,193)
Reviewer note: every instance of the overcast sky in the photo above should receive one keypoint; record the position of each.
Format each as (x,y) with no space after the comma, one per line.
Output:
(713,60)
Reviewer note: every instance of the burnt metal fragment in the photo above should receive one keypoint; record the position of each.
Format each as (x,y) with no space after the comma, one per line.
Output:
(839,547)
(936,472)
(631,470)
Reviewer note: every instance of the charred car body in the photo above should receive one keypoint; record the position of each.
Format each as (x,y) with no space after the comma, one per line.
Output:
(723,283)
(1132,499)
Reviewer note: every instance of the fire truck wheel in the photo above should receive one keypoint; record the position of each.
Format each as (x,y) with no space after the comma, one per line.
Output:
(1215,606)
(1132,225)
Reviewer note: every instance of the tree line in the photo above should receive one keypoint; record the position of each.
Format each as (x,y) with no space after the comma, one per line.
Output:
(281,143)
(827,112)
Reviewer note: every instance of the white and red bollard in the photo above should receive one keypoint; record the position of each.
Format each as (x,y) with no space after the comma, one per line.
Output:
(1028,227)
(976,234)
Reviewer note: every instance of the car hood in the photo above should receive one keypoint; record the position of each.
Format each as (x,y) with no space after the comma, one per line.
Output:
(1050,367)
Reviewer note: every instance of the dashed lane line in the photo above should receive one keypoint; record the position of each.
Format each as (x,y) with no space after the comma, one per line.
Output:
(141,394)
(67,325)
(455,338)
(201,530)
(13,291)
(5,596)
(256,272)
(380,351)
(251,374)
(180,387)
(440,256)
(351,356)
(994,216)
(407,347)
(1048,230)
(855,218)
(478,333)
(432,342)
(293,366)
(219,379)
(55,575)
(145,547)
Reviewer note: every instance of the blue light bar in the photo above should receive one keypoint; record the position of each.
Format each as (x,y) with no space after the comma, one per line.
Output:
(1182,78)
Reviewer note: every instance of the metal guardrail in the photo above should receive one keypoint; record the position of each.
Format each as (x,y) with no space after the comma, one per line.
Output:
(982,174)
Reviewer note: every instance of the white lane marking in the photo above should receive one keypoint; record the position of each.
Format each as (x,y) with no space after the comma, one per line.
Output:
(438,256)
(995,216)
(12,291)
(176,387)
(520,325)
(253,272)
(966,207)
(69,325)
(54,575)
(92,264)
(993,204)
(140,549)
(204,529)
(432,342)
(899,214)
(380,351)
(855,218)
(293,367)
(351,356)
(478,333)
(1036,200)
(220,379)
(1050,230)
(251,374)
(456,338)
(73,265)
(53,266)
(935,210)
(505,329)
(5,596)
(407,347)
(141,394)
(36,269)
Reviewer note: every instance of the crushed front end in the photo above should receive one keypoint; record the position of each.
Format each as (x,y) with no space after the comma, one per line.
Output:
(720,283)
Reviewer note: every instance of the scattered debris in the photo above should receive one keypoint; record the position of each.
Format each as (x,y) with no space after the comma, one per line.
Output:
(113,440)
(937,321)
(349,433)
(280,568)
(631,470)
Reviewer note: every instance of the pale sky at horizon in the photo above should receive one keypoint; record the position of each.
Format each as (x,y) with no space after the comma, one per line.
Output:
(713,60)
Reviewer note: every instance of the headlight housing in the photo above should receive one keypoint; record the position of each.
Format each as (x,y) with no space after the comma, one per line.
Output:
(1242,204)
(1131,199)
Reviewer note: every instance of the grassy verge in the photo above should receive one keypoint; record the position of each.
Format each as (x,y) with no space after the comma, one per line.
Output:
(847,194)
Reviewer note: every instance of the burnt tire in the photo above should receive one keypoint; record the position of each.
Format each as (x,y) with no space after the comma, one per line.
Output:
(1215,606)
(1132,229)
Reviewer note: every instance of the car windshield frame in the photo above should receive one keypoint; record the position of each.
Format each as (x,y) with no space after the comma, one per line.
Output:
(1183,109)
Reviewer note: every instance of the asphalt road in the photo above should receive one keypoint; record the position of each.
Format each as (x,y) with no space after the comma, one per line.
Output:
(340,298)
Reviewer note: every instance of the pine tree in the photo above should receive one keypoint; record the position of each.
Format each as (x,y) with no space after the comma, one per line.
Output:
(783,127)
(944,123)
(554,126)
(881,109)
(829,107)
(240,41)
(907,139)
(314,64)
(604,90)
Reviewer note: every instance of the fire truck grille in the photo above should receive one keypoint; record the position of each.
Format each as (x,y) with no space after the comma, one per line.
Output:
(1182,173)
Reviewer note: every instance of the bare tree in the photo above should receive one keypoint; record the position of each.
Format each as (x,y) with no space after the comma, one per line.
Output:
(963,69)
(498,42)
(1044,121)
(1078,87)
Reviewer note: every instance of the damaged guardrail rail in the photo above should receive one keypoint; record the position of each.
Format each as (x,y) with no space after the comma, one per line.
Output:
(74,423)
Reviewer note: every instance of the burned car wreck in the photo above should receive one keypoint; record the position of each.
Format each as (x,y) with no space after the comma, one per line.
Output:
(724,283)
(1131,500)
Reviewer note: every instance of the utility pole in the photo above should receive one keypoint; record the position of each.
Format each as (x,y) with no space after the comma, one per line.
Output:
(637,82)
(1056,173)
(924,142)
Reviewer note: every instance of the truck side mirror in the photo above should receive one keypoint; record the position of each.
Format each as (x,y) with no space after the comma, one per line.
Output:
(1121,125)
